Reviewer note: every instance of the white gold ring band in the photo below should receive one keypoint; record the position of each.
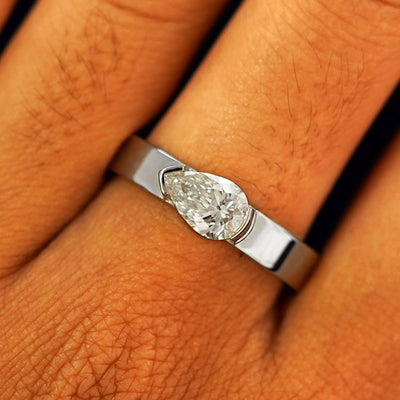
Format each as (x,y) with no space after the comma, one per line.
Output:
(216,208)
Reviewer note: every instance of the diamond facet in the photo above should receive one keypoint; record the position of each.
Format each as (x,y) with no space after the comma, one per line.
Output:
(213,206)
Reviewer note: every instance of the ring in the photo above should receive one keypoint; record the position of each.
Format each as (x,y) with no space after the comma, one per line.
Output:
(216,208)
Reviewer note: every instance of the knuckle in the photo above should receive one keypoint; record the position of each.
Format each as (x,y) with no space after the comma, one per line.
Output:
(114,347)
(107,355)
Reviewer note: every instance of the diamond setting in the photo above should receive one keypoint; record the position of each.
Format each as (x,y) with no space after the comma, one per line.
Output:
(213,206)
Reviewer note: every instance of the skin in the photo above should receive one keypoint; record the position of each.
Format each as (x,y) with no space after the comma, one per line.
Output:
(106,293)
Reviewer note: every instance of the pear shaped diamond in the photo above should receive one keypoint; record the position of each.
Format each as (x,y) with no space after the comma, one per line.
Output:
(213,206)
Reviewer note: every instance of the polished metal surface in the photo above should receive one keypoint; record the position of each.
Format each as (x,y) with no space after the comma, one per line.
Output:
(263,240)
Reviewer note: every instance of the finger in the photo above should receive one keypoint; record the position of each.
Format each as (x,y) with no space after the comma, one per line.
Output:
(349,311)
(284,98)
(104,69)
(5,8)
(117,305)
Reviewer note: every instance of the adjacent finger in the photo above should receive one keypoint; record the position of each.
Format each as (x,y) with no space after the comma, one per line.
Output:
(5,8)
(284,98)
(349,312)
(76,80)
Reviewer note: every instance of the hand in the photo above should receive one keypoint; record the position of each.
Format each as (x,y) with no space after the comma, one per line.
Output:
(106,293)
